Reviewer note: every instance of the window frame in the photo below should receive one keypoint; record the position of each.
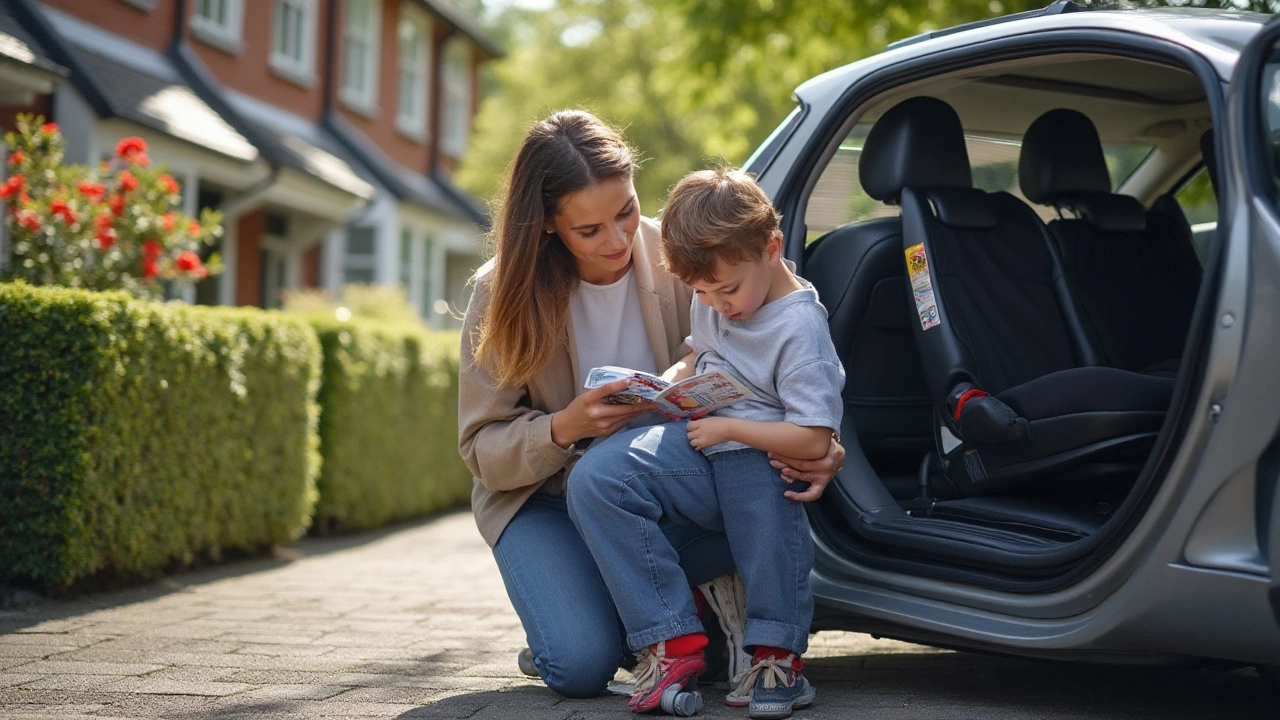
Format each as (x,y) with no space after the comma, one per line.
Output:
(297,70)
(359,261)
(414,124)
(228,36)
(456,97)
(366,100)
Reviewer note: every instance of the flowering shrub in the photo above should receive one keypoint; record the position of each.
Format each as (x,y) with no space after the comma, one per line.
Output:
(111,227)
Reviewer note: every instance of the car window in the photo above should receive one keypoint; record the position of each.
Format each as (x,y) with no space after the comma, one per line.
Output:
(1200,205)
(838,197)
(1197,200)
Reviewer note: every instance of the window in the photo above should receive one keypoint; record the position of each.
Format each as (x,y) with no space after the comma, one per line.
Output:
(415,267)
(838,197)
(406,260)
(293,36)
(360,257)
(457,97)
(411,112)
(359,55)
(218,22)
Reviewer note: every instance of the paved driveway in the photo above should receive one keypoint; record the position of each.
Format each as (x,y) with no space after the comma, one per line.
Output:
(414,623)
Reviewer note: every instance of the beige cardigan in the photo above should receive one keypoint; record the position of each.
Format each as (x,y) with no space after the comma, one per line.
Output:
(504,434)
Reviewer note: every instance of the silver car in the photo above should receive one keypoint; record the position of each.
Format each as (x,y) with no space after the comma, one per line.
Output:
(1049,245)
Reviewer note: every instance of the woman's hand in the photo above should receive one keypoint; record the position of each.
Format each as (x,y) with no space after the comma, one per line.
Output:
(588,417)
(817,473)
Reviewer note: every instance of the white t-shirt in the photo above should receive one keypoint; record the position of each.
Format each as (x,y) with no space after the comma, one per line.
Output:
(608,328)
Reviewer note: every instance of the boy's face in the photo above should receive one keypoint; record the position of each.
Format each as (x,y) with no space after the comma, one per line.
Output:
(741,289)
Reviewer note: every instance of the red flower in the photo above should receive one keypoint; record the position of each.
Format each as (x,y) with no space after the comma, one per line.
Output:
(188,261)
(49,128)
(128,147)
(92,190)
(14,184)
(117,205)
(169,221)
(151,249)
(193,227)
(128,182)
(16,157)
(150,269)
(28,220)
(142,159)
(170,185)
(106,238)
(59,207)
(103,221)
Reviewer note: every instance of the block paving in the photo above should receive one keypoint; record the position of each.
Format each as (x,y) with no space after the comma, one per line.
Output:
(413,622)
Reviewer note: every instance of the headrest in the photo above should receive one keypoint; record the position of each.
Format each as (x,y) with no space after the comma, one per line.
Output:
(967,208)
(1062,158)
(1210,154)
(918,143)
(1112,213)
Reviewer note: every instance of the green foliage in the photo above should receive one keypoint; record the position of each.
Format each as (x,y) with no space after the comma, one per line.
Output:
(388,424)
(115,227)
(135,436)
(695,81)
(387,303)
(690,81)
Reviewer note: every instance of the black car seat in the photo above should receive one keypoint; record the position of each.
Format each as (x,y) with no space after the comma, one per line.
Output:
(1134,272)
(858,273)
(1015,381)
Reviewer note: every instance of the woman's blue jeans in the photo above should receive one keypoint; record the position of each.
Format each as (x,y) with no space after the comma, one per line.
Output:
(628,488)
(569,619)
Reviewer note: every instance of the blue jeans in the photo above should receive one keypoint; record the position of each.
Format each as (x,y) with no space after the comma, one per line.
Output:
(626,486)
(568,617)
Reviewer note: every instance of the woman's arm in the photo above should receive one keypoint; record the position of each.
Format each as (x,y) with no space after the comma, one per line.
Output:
(817,473)
(507,444)
(793,440)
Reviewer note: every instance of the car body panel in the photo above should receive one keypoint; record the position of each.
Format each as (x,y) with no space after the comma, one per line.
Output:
(1188,551)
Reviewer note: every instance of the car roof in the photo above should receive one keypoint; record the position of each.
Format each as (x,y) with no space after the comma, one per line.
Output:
(1217,35)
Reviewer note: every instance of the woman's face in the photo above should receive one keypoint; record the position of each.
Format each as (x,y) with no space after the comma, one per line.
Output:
(598,224)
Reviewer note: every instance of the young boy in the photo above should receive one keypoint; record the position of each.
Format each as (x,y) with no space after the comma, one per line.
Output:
(752,317)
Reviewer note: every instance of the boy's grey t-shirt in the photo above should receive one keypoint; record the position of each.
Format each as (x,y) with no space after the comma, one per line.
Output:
(783,352)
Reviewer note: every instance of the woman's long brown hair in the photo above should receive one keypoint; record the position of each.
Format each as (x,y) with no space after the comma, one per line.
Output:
(534,274)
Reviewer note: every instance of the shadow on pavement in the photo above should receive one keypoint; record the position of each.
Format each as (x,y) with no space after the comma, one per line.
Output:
(21,608)
(910,686)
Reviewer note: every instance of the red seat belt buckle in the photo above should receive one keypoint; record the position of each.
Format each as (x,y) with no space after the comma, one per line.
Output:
(965,397)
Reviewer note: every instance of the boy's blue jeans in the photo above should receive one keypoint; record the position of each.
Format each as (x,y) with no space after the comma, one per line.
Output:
(568,617)
(626,486)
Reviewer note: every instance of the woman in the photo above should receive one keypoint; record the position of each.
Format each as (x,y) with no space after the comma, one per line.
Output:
(575,283)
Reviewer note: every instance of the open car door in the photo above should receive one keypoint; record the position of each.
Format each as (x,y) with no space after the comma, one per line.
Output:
(1252,164)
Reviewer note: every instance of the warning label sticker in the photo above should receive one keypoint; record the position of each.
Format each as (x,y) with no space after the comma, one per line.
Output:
(922,286)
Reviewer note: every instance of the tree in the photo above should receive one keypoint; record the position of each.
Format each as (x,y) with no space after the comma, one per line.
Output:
(693,81)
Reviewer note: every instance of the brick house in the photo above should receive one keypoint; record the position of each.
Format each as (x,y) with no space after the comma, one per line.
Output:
(326,131)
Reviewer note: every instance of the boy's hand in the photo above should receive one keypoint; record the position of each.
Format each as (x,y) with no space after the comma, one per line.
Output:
(709,431)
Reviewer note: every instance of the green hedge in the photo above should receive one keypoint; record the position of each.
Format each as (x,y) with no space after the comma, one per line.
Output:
(135,436)
(388,424)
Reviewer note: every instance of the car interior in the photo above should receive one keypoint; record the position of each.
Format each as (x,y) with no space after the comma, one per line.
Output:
(1011,257)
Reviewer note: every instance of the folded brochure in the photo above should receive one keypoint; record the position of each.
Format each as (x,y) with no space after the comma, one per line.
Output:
(697,395)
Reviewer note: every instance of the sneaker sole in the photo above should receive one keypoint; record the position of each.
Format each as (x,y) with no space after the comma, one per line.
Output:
(799,703)
(652,702)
